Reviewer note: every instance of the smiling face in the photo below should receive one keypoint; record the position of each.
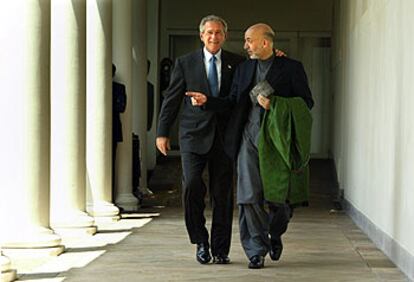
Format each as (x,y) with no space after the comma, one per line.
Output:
(213,36)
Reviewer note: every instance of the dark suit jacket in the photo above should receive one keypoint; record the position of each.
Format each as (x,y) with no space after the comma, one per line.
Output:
(286,76)
(198,125)
(118,106)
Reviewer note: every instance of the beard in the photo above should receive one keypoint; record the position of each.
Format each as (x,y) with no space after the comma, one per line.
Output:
(254,55)
(251,55)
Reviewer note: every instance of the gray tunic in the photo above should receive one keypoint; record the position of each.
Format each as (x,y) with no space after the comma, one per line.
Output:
(249,184)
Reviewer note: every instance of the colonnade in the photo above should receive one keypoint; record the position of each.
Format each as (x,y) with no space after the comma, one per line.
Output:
(56,166)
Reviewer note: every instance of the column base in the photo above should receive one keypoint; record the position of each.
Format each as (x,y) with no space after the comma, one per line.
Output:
(30,237)
(32,242)
(8,276)
(34,252)
(127,202)
(75,232)
(103,212)
(77,224)
(7,273)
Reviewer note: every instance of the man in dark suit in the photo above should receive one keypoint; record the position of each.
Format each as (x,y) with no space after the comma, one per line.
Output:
(118,107)
(260,230)
(209,72)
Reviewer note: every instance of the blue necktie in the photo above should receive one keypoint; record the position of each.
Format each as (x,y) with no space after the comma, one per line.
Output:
(212,77)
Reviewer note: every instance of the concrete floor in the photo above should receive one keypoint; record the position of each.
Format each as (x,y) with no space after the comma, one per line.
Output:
(322,244)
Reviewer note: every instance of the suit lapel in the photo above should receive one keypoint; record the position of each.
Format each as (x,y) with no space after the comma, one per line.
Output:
(200,72)
(275,71)
(226,70)
(248,77)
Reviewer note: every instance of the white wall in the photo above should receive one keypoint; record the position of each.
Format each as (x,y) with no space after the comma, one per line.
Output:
(373,136)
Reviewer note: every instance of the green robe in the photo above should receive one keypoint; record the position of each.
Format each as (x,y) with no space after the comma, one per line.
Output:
(284,151)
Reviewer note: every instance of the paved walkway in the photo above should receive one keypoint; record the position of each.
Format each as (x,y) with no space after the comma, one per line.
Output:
(322,244)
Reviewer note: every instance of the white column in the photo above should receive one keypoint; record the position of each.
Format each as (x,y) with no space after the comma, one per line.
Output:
(6,272)
(25,162)
(99,110)
(153,27)
(139,71)
(122,57)
(68,119)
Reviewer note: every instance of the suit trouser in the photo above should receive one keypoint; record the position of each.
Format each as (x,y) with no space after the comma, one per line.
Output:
(220,170)
(258,226)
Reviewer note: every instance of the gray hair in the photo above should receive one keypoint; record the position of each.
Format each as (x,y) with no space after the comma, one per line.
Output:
(212,18)
(270,35)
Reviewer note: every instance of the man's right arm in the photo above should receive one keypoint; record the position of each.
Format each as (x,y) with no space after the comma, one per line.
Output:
(218,104)
(170,107)
(163,144)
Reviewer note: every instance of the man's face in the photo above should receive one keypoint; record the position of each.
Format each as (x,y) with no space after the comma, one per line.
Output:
(253,44)
(213,36)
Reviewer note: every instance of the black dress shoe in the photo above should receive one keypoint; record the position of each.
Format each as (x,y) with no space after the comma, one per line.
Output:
(221,259)
(203,254)
(256,262)
(276,248)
